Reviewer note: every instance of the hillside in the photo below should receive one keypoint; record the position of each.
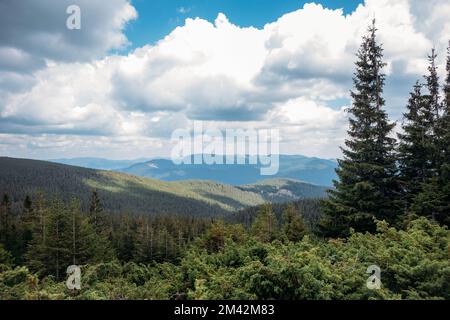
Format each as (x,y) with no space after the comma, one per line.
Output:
(123,192)
(282,190)
(308,169)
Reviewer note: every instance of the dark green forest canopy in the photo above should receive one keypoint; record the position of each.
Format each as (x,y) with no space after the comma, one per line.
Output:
(226,262)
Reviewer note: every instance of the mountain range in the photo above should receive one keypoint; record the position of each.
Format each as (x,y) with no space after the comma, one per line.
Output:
(307,169)
(125,192)
(98,163)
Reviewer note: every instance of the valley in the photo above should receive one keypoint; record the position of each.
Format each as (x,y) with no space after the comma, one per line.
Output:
(125,192)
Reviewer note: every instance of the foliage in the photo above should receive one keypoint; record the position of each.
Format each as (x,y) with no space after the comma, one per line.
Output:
(265,226)
(424,150)
(367,185)
(225,262)
(294,227)
(416,149)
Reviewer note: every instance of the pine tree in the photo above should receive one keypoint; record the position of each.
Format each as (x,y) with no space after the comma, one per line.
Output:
(293,225)
(265,226)
(445,120)
(145,241)
(26,219)
(434,200)
(416,148)
(10,232)
(367,187)
(27,206)
(63,236)
(432,81)
(87,244)
(96,215)
(5,221)
(443,215)
(37,256)
(125,238)
(47,251)
(18,233)
(434,107)
(57,232)
(447,86)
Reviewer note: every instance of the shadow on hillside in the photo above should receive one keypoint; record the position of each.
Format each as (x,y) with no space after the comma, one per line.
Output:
(235,204)
(133,196)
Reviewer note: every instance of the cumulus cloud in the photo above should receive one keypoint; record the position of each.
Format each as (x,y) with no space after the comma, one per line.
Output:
(203,68)
(293,74)
(52,146)
(35,31)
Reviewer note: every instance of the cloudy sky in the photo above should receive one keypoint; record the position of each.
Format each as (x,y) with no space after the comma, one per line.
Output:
(136,70)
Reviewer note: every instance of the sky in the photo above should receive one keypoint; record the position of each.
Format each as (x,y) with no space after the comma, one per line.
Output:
(138,70)
(159,18)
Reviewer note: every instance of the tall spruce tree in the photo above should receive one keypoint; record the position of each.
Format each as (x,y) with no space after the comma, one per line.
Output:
(434,200)
(447,83)
(416,147)
(432,80)
(5,221)
(443,216)
(367,187)
(84,243)
(443,124)
(145,241)
(96,215)
(434,108)
(37,256)
(445,120)
(63,236)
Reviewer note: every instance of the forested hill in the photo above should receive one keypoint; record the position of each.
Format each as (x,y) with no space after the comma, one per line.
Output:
(122,192)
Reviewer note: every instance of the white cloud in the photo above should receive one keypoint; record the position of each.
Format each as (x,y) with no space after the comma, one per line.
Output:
(307,114)
(287,75)
(52,146)
(37,29)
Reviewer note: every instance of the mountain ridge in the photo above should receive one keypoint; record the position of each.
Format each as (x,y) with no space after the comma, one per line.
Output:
(312,170)
(98,163)
(124,192)
(308,169)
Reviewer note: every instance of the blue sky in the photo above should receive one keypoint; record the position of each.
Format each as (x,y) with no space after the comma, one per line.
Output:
(157,18)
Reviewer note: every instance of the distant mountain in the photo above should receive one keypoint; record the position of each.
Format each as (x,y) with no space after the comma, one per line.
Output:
(98,163)
(122,192)
(308,169)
